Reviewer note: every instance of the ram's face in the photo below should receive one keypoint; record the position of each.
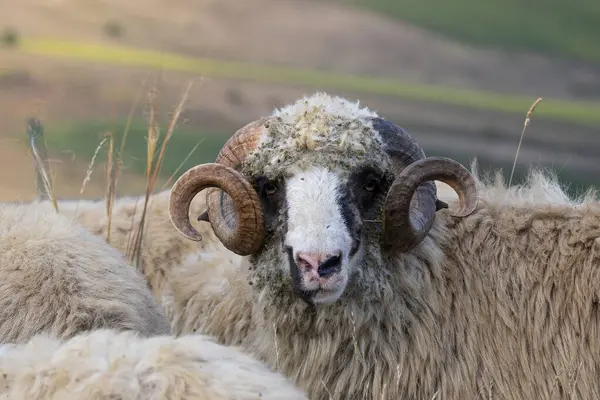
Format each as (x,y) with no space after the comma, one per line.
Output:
(316,193)
(318,217)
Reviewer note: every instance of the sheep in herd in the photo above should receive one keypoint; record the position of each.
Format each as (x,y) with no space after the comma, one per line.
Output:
(60,279)
(357,282)
(106,364)
(162,249)
(162,246)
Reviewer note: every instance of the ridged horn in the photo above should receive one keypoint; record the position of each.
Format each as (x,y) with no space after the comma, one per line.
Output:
(409,219)
(407,224)
(234,209)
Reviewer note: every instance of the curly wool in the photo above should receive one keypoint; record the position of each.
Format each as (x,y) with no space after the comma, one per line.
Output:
(105,364)
(321,130)
(60,279)
(163,248)
(503,302)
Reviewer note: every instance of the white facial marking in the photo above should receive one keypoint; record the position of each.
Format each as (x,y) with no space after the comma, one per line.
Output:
(316,226)
(315,223)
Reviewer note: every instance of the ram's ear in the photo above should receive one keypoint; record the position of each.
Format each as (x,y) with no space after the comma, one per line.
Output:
(440,204)
(204,216)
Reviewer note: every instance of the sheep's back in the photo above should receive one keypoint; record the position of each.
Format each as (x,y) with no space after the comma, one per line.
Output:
(59,278)
(108,365)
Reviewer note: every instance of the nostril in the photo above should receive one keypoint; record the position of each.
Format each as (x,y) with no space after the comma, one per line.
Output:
(330,266)
(307,260)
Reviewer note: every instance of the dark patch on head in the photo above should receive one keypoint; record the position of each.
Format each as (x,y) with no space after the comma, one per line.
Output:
(272,197)
(345,200)
(360,201)
(369,186)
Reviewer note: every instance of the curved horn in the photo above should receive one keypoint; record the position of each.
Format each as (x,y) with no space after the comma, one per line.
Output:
(404,151)
(243,239)
(237,147)
(224,202)
(406,226)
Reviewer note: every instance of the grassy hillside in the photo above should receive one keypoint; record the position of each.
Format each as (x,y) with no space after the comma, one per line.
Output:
(453,97)
(185,149)
(569,111)
(568,28)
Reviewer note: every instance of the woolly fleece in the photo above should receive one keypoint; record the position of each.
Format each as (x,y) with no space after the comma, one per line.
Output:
(105,364)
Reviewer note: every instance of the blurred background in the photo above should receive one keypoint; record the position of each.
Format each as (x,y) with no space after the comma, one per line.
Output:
(460,76)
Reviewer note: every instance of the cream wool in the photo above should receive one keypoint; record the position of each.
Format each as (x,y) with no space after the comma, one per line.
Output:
(105,364)
(500,303)
(162,246)
(60,279)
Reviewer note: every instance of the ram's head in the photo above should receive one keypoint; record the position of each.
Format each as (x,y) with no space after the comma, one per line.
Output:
(317,192)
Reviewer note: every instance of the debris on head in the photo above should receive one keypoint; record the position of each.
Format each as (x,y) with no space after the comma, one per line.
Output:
(320,129)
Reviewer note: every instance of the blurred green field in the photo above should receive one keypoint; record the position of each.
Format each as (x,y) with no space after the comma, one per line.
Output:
(185,149)
(557,27)
(578,112)
(188,147)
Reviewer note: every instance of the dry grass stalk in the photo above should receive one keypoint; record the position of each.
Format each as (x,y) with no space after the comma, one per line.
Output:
(170,130)
(152,140)
(525,124)
(114,167)
(117,167)
(153,168)
(131,235)
(110,184)
(37,143)
(88,174)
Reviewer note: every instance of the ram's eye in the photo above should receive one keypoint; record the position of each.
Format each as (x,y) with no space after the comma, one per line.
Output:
(270,188)
(371,185)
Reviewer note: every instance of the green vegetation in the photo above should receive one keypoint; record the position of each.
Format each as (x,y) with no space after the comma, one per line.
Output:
(569,28)
(114,29)
(568,111)
(83,137)
(9,37)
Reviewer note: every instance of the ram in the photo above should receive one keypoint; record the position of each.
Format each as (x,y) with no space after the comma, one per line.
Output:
(58,278)
(357,282)
(106,364)
(163,248)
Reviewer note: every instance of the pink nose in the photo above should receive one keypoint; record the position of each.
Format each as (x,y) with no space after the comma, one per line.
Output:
(324,263)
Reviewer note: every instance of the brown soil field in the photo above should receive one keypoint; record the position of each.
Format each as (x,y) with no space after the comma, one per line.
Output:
(306,34)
